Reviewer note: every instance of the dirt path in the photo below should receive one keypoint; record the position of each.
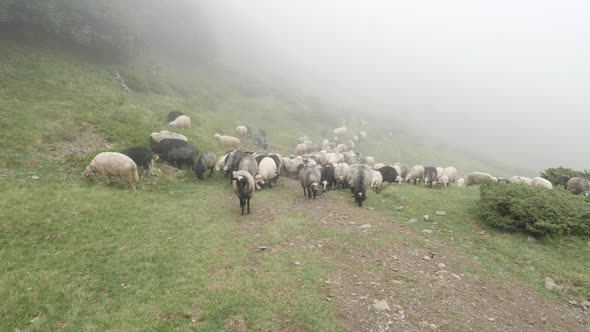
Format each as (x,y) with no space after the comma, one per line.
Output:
(425,287)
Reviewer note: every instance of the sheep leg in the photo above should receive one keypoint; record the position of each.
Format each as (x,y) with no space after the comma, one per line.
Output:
(242,205)
(248,200)
(304,192)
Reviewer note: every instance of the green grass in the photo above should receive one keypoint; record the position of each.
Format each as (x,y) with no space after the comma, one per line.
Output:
(83,256)
(505,255)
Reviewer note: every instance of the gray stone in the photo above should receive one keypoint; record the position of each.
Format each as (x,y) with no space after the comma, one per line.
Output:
(35,177)
(426,217)
(380,306)
(365,226)
(440,213)
(412,221)
(585,304)
(551,285)
(427,231)
(531,239)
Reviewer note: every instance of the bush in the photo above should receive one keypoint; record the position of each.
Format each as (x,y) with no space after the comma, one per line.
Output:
(534,210)
(551,174)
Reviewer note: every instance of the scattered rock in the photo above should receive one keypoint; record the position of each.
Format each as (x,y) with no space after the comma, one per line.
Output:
(51,237)
(440,213)
(491,319)
(531,239)
(551,285)
(585,303)
(482,233)
(441,265)
(35,177)
(125,286)
(380,306)
(427,231)
(297,264)
(400,208)
(365,226)
(262,248)
(426,217)
(412,221)
(170,170)
(426,258)
(425,325)
(456,276)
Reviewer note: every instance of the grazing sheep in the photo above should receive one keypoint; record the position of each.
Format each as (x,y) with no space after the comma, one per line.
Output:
(220,163)
(376,181)
(175,151)
(439,171)
(430,176)
(562,180)
(449,175)
(267,173)
(540,182)
(389,174)
(415,174)
(114,164)
(328,179)
(141,156)
(341,148)
(301,148)
(173,115)
(277,159)
(340,173)
(293,166)
(242,131)
(228,141)
(232,161)
(204,162)
(158,137)
(579,186)
(309,177)
(402,169)
(361,180)
(260,140)
(249,164)
(521,179)
(370,161)
(338,132)
(377,166)
(461,182)
(181,122)
(477,178)
(244,188)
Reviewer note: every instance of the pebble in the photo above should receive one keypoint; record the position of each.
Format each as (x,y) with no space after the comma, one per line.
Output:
(551,285)
(427,231)
(35,177)
(585,303)
(426,217)
(531,239)
(456,276)
(482,233)
(441,265)
(380,306)
(400,208)
(426,258)
(262,248)
(365,226)
(297,264)
(440,213)
(491,319)
(412,221)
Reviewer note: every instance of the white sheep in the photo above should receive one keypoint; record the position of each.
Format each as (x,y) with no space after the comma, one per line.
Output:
(267,172)
(228,141)
(376,181)
(449,175)
(181,122)
(476,178)
(416,174)
(521,179)
(540,182)
(341,148)
(157,137)
(221,163)
(377,166)
(301,148)
(439,172)
(340,173)
(461,182)
(370,161)
(242,130)
(340,131)
(114,164)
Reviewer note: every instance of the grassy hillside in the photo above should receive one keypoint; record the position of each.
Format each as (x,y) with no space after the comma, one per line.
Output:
(175,255)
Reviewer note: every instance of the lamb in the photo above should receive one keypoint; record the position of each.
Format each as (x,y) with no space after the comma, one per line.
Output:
(449,175)
(141,156)
(267,173)
(540,182)
(158,137)
(579,186)
(301,148)
(176,152)
(340,173)
(389,174)
(204,162)
(114,164)
(173,115)
(521,179)
(328,179)
(249,164)
(477,178)
(242,131)
(228,141)
(340,131)
(430,176)
(376,181)
(244,188)
(415,174)
(361,180)
(309,177)
(181,122)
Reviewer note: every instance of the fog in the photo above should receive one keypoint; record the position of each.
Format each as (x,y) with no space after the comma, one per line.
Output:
(506,79)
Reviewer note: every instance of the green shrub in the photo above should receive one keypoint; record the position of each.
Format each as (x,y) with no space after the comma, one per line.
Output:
(534,210)
(551,174)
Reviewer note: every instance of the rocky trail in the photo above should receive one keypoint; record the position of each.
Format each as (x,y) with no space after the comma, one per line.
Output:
(393,279)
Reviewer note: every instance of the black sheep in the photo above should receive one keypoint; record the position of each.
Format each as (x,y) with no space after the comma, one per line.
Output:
(559,181)
(260,139)
(389,174)
(328,179)
(176,151)
(173,115)
(204,162)
(141,156)
(232,161)
(430,175)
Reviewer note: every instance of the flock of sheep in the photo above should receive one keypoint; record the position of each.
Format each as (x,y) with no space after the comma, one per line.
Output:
(332,165)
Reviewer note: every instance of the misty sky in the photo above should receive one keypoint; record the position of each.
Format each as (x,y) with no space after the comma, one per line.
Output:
(510,78)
